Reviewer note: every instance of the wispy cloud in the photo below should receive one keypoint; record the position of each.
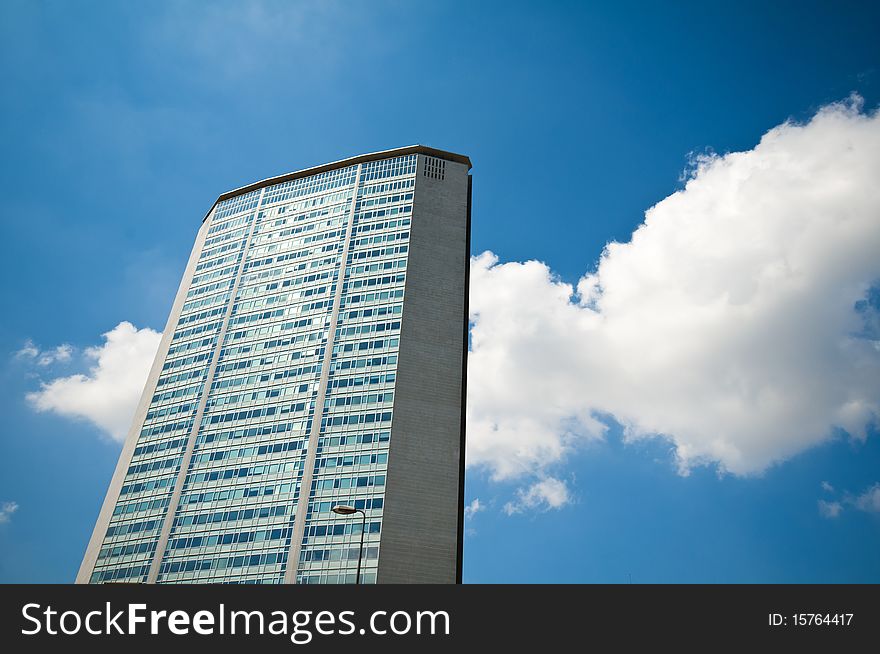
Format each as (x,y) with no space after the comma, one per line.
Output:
(867,501)
(733,323)
(108,394)
(830,509)
(227,41)
(473,508)
(546,494)
(58,354)
(6,511)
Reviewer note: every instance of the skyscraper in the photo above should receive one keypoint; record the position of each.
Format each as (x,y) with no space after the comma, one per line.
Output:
(315,356)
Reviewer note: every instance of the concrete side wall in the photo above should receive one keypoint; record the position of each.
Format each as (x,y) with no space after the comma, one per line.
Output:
(422,515)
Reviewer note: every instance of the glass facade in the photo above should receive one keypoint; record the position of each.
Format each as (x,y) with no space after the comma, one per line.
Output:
(275,400)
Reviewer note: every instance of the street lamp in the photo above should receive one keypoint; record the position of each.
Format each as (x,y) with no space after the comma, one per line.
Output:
(345,509)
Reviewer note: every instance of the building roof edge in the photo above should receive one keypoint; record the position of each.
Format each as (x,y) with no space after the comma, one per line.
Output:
(350,161)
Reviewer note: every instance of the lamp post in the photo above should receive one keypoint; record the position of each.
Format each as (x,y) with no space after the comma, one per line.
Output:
(345,509)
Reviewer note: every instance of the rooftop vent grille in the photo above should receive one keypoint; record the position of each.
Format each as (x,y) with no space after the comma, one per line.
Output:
(435,168)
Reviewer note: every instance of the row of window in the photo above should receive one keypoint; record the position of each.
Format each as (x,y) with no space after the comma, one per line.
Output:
(241,492)
(339,554)
(244,472)
(233,515)
(224,563)
(144,547)
(319,183)
(235,538)
(243,202)
(242,452)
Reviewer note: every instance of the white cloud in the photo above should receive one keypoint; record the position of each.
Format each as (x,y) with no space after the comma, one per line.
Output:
(108,395)
(830,509)
(726,324)
(869,501)
(6,511)
(545,494)
(474,507)
(59,354)
(828,488)
(28,351)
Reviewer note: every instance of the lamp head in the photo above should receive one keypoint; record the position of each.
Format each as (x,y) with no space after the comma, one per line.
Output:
(343,509)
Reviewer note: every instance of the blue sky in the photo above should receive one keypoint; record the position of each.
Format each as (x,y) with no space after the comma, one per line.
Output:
(122,122)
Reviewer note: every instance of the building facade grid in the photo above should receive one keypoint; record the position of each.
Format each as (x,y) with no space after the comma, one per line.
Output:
(275,397)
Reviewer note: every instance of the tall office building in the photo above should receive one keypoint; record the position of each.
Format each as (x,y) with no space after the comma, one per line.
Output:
(315,356)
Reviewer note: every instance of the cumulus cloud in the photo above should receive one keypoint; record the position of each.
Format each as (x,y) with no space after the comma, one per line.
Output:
(545,494)
(59,354)
(739,321)
(6,511)
(108,395)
